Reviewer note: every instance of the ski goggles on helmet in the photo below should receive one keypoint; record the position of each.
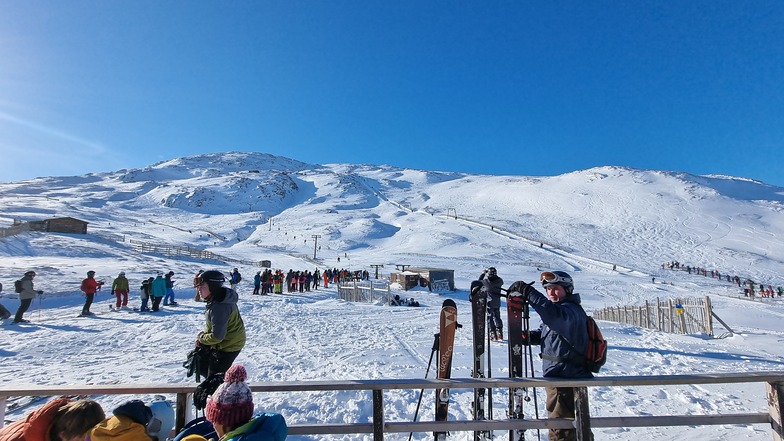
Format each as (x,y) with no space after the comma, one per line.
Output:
(548,278)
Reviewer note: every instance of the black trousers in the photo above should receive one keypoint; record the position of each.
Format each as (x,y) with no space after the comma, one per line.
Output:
(87,303)
(22,309)
(156,303)
(214,361)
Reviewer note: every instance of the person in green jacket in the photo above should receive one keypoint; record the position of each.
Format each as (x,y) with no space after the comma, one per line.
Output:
(224,335)
(120,289)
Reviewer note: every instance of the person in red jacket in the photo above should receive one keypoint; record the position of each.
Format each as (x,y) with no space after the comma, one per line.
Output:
(62,419)
(89,287)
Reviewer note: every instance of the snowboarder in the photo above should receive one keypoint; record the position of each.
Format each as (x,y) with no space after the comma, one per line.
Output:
(492,285)
(89,287)
(563,320)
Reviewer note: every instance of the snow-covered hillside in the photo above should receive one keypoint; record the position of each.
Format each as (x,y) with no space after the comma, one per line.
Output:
(253,207)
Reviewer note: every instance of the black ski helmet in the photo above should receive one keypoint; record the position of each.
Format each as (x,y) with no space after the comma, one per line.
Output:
(560,278)
(492,272)
(90,273)
(211,277)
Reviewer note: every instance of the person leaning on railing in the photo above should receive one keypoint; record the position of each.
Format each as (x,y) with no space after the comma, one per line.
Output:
(62,419)
(563,330)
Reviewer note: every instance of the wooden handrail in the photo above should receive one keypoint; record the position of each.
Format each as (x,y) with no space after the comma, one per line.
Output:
(583,422)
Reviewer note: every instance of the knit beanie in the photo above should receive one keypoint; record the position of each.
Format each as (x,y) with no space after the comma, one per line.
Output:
(232,403)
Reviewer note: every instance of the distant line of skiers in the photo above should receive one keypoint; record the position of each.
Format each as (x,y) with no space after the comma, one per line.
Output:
(749,291)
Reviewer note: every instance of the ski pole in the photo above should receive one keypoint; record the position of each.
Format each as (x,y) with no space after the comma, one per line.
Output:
(436,343)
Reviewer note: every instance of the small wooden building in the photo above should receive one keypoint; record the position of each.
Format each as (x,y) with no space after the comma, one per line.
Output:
(60,225)
(437,279)
(406,279)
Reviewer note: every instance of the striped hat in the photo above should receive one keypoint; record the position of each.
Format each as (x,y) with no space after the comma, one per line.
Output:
(232,403)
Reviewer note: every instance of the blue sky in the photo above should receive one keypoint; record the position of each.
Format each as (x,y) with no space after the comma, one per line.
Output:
(492,87)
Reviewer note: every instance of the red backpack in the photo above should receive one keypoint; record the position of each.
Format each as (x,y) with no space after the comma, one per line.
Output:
(596,352)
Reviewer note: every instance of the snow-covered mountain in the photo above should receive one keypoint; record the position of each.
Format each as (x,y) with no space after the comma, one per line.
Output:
(253,206)
(634,218)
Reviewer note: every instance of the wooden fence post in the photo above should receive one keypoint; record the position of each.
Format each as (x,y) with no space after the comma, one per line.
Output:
(708,316)
(775,408)
(582,414)
(181,414)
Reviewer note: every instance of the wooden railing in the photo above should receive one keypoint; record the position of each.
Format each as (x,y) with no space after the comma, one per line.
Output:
(378,427)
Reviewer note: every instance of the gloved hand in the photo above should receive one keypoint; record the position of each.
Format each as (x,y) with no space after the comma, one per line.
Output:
(40,291)
(112,292)
(205,389)
(521,287)
(526,340)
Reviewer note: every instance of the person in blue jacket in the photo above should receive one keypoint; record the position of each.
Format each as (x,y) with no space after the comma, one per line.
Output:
(158,291)
(563,337)
(168,299)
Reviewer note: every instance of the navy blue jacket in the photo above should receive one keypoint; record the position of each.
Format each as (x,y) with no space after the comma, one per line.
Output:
(562,322)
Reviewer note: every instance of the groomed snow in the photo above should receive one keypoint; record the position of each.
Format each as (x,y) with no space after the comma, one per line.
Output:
(583,222)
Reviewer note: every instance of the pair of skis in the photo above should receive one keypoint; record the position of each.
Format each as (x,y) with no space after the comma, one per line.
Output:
(443,345)
(448,326)
(483,399)
(517,316)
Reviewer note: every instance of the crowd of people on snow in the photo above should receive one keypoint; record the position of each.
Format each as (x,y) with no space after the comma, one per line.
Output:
(229,409)
(158,291)
(749,286)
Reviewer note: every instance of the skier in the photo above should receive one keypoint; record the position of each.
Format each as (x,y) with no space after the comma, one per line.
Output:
(26,296)
(89,287)
(492,285)
(168,298)
(224,335)
(563,329)
(120,290)
(158,291)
